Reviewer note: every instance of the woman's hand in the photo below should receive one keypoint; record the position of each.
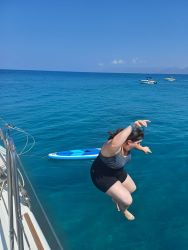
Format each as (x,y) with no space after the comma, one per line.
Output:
(146,150)
(141,123)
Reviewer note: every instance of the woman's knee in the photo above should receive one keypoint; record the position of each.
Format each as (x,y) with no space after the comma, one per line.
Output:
(120,194)
(129,184)
(133,189)
(127,201)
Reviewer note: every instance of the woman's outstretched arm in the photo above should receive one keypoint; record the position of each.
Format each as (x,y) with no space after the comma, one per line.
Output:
(145,149)
(114,145)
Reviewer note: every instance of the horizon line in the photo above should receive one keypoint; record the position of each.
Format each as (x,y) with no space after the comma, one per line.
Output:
(94,72)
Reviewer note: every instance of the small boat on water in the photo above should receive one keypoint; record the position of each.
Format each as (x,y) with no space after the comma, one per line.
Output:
(148,80)
(170,79)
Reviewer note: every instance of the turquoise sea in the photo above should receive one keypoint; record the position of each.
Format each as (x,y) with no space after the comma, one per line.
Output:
(65,110)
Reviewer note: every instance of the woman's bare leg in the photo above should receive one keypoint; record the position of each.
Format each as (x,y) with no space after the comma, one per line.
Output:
(121,196)
(129,184)
(117,205)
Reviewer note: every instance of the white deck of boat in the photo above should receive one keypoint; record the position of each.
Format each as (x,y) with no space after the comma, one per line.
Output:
(32,230)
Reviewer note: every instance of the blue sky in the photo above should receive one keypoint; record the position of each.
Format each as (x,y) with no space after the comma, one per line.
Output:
(97,35)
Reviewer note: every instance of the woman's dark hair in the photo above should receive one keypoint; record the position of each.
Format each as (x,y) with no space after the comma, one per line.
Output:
(136,134)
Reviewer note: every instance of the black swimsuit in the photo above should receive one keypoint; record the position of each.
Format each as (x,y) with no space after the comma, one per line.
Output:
(105,171)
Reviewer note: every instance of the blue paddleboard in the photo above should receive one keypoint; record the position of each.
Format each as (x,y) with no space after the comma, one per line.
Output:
(76,154)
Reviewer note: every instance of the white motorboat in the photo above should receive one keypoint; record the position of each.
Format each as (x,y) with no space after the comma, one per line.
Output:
(170,79)
(148,80)
(20,210)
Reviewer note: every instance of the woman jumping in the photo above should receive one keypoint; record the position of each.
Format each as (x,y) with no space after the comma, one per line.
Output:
(107,171)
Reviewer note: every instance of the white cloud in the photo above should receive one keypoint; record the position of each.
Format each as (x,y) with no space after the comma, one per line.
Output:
(134,60)
(118,61)
(137,60)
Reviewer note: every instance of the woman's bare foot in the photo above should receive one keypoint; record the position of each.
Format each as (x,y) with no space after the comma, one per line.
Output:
(128,215)
(117,206)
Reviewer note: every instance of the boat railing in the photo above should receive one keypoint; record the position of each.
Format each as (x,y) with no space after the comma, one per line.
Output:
(20,190)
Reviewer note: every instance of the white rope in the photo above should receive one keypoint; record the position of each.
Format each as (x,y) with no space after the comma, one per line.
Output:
(23,151)
(27,140)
